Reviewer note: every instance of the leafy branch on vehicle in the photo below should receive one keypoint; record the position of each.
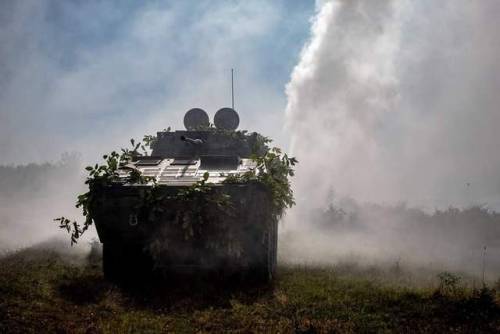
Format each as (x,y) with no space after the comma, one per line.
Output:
(100,176)
(273,170)
(193,203)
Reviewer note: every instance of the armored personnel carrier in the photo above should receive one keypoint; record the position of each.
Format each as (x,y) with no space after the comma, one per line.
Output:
(195,220)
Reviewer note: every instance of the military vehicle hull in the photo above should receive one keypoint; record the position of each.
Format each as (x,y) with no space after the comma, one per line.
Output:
(242,240)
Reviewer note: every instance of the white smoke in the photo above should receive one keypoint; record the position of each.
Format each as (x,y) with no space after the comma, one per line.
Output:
(395,101)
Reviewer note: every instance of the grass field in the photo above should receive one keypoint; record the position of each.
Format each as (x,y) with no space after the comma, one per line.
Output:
(45,291)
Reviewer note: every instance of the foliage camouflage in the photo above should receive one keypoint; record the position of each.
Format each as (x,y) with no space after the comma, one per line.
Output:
(273,171)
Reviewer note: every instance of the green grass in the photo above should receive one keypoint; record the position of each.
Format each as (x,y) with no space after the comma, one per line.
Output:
(45,291)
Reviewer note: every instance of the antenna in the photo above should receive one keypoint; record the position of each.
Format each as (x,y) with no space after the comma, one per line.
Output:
(484,264)
(232,88)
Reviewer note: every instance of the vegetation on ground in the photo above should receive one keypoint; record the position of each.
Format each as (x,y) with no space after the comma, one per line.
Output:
(46,291)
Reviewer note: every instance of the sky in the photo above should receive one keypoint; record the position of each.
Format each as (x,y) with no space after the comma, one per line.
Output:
(85,76)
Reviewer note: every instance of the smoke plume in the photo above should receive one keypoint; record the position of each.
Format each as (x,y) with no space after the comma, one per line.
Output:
(396,101)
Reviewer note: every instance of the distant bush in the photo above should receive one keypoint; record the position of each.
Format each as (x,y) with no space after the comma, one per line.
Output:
(26,180)
(452,238)
(448,283)
(475,225)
